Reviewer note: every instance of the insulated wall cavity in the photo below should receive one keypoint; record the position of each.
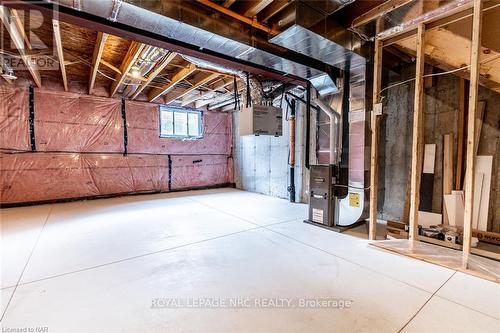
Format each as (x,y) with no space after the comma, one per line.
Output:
(35,177)
(80,146)
(143,123)
(14,133)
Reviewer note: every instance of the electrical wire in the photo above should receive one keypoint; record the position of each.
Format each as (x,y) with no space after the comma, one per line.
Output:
(436,74)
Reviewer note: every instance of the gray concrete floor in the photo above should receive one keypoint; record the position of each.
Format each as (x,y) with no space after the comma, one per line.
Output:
(219,261)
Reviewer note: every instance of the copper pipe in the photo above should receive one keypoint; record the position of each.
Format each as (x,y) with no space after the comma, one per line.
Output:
(252,22)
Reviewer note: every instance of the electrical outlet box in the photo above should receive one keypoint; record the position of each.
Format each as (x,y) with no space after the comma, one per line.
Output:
(377,109)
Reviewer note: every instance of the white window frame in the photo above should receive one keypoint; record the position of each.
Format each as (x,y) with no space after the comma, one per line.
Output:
(165,108)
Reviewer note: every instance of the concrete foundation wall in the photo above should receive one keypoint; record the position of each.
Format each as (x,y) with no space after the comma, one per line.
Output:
(261,162)
(441,112)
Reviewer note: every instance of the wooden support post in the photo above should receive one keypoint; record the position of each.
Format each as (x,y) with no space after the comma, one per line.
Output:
(377,83)
(418,137)
(471,126)
(460,136)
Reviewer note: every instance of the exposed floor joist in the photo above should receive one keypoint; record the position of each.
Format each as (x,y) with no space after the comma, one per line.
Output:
(452,51)
(20,27)
(195,86)
(179,76)
(204,95)
(274,8)
(204,99)
(60,53)
(378,11)
(130,59)
(256,7)
(96,58)
(159,67)
(228,3)
(16,36)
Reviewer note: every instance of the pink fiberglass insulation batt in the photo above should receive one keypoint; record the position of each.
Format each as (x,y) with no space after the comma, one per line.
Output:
(143,130)
(14,133)
(200,170)
(77,123)
(80,141)
(48,176)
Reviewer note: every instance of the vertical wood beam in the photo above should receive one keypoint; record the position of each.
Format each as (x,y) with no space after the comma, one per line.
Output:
(471,126)
(96,58)
(418,137)
(60,53)
(375,121)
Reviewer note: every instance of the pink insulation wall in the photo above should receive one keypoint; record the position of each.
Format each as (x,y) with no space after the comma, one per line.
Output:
(80,144)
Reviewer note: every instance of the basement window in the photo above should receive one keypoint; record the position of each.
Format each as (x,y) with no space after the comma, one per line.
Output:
(180,123)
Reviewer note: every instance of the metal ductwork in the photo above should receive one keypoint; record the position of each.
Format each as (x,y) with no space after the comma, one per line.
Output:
(256,89)
(174,27)
(309,32)
(144,64)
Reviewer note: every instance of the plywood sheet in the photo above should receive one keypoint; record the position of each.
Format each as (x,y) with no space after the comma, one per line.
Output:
(455,209)
(484,165)
(426,219)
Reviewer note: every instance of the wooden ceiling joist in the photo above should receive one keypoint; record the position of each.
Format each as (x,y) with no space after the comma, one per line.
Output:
(274,8)
(447,50)
(130,59)
(96,58)
(19,23)
(378,11)
(242,18)
(17,38)
(159,67)
(204,99)
(195,86)
(256,7)
(446,14)
(178,77)
(110,66)
(60,53)
(228,3)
